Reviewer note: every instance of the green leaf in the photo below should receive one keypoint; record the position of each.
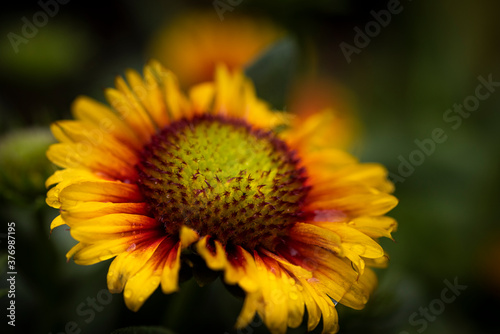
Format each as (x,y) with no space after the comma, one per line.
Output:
(272,72)
(143,330)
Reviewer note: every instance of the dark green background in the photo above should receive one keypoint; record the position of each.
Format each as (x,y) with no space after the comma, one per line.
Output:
(427,59)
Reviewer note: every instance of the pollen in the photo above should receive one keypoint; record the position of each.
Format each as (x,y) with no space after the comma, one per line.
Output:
(223,178)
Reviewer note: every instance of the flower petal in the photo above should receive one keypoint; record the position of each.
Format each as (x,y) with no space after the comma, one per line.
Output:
(315,235)
(375,227)
(170,275)
(353,200)
(188,236)
(110,226)
(148,95)
(85,155)
(102,191)
(212,252)
(130,262)
(103,118)
(360,291)
(86,253)
(58,221)
(161,267)
(88,210)
(202,96)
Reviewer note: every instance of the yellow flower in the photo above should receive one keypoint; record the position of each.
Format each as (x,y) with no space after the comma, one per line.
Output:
(320,99)
(191,45)
(294,225)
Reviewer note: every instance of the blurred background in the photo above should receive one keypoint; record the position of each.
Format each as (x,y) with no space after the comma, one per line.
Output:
(412,85)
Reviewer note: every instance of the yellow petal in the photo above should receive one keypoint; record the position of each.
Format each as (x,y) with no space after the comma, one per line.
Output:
(242,271)
(85,155)
(325,306)
(313,310)
(135,98)
(353,200)
(333,273)
(379,262)
(103,191)
(274,311)
(315,235)
(110,226)
(87,254)
(215,258)
(297,271)
(327,160)
(188,236)
(64,178)
(89,210)
(247,313)
(70,176)
(360,291)
(177,104)
(202,96)
(140,286)
(128,263)
(370,174)
(134,116)
(357,242)
(313,132)
(375,227)
(162,267)
(105,120)
(294,300)
(147,96)
(170,275)
(356,245)
(75,249)
(78,131)
(154,100)
(58,221)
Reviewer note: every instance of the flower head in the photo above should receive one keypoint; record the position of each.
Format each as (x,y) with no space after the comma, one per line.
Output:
(291,221)
(202,41)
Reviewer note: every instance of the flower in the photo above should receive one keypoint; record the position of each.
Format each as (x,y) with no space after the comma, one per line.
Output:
(294,225)
(201,41)
(331,104)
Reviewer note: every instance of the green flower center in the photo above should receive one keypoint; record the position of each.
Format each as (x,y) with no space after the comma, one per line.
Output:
(222,178)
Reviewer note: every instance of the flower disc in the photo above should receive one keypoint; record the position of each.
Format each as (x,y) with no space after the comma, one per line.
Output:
(221,178)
